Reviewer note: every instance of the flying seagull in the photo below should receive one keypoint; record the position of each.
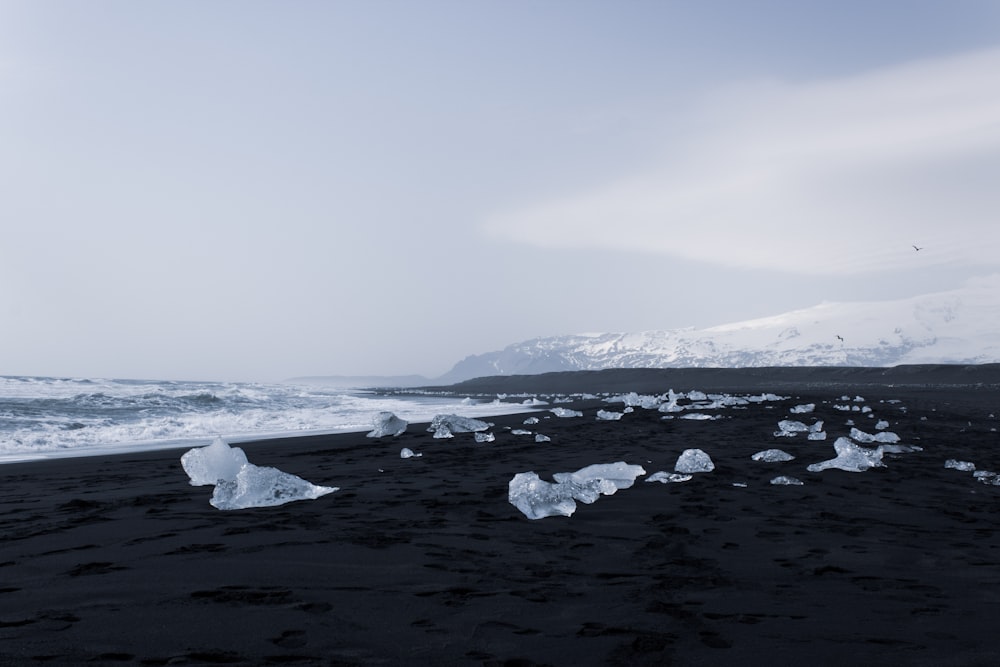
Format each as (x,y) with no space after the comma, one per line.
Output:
(840,338)
(917,249)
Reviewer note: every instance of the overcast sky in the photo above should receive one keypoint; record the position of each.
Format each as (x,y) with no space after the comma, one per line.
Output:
(258,190)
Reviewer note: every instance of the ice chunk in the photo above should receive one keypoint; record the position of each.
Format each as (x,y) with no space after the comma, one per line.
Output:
(520,431)
(537,498)
(257,486)
(802,409)
(531,420)
(788,428)
(883,436)
(772,456)
(386,423)
(484,436)
(542,438)
(566,412)
(850,457)
(207,465)
(407,453)
(694,460)
(444,426)
(670,405)
(817,435)
(964,466)
(881,425)
(534,401)
(786,480)
(700,416)
(664,477)
(606,415)
(694,395)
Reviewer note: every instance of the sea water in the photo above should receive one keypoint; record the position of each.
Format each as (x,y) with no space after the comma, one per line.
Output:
(54,417)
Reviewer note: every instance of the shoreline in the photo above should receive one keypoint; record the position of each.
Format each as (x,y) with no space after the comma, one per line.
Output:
(118,560)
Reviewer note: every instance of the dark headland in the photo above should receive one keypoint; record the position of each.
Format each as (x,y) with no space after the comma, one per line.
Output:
(116,560)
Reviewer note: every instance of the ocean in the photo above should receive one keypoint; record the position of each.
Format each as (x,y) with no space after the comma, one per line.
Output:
(55,417)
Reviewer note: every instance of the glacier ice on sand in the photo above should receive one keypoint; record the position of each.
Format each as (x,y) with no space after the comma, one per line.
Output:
(387,423)
(537,499)
(240,484)
(772,456)
(445,426)
(850,457)
(694,460)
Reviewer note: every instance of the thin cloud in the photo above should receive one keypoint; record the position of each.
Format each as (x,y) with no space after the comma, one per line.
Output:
(828,177)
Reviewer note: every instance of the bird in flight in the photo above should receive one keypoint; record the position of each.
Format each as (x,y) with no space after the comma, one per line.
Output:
(917,249)
(840,338)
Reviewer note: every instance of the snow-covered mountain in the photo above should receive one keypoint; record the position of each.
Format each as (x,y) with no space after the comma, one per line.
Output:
(960,326)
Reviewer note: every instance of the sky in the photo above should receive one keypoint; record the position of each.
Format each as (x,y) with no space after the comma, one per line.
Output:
(257,190)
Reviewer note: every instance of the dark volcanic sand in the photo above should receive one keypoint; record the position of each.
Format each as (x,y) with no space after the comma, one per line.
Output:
(117,560)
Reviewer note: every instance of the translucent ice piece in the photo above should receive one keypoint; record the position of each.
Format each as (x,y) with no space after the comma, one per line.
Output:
(964,466)
(537,498)
(802,409)
(788,428)
(446,425)
(606,415)
(386,423)
(407,453)
(257,486)
(207,465)
(772,456)
(484,436)
(850,457)
(542,438)
(694,460)
(786,480)
(566,412)
(664,477)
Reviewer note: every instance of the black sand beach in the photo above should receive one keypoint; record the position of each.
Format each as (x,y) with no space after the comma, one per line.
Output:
(118,560)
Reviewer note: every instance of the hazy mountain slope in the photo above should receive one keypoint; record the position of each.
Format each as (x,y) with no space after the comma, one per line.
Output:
(960,326)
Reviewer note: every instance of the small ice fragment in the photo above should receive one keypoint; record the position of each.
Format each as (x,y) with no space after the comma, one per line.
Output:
(531,420)
(542,438)
(700,416)
(207,465)
(484,436)
(694,460)
(533,401)
(786,480)
(537,498)
(740,485)
(802,409)
(520,431)
(817,435)
(566,412)
(788,428)
(444,426)
(406,453)
(884,436)
(697,395)
(606,415)
(964,466)
(257,486)
(850,457)
(772,456)
(386,423)
(664,477)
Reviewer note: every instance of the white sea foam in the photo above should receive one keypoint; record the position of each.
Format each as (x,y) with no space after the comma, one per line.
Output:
(55,417)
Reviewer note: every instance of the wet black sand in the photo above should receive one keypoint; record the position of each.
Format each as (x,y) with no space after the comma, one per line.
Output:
(117,560)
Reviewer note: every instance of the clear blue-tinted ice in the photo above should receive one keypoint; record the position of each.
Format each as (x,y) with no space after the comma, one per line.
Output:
(240,484)
(566,412)
(786,480)
(386,423)
(207,465)
(444,426)
(883,436)
(537,499)
(789,427)
(542,438)
(664,477)
(607,415)
(803,409)
(850,457)
(772,456)
(694,460)
(964,466)
(257,486)
(484,436)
